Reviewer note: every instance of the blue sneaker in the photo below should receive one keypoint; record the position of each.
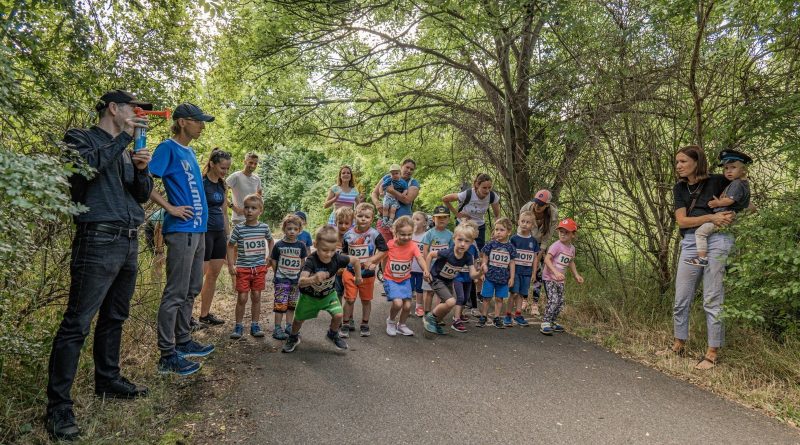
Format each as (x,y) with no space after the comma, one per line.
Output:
(507,321)
(194,349)
(255,330)
(521,321)
(175,364)
(288,329)
(279,333)
(430,324)
(238,331)
(291,342)
(546,329)
(558,328)
(481,321)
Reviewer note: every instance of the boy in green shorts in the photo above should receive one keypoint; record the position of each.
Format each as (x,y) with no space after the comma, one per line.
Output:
(317,292)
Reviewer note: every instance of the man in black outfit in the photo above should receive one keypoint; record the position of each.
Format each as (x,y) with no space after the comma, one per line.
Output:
(104,257)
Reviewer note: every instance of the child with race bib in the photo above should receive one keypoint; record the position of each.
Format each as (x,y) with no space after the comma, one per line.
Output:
(249,245)
(317,288)
(526,266)
(343,221)
(497,260)
(560,256)
(463,283)
(436,239)
(397,275)
(446,264)
(287,259)
(420,227)
(367,244)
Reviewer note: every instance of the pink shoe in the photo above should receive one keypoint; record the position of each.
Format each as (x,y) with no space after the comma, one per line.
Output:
(419,311)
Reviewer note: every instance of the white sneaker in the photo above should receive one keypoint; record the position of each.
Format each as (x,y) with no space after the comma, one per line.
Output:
(391,327)
(404,330)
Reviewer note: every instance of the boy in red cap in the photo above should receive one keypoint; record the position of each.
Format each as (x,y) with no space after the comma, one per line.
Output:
(560,255)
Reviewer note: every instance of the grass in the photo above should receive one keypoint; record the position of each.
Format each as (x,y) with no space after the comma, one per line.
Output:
(754,370)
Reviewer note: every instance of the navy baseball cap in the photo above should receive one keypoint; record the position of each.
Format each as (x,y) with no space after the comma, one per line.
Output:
(727,156)
(191,111)
(301,215)
(121,97)
(441,211)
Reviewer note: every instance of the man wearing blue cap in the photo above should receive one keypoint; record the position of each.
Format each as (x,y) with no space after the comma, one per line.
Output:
(735,197)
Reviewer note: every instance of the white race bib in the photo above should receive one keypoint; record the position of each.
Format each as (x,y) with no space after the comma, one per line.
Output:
(525,257)
(399,269)
(499,258)
(449,271)
(360,251)
(255,246)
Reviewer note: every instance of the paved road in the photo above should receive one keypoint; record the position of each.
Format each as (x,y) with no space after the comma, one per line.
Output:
(484,386)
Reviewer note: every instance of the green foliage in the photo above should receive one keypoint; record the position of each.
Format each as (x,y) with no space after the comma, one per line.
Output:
(290,179)
(763,283)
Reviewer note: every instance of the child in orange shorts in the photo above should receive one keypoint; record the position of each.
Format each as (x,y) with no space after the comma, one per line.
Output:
(249,245)
(367,244)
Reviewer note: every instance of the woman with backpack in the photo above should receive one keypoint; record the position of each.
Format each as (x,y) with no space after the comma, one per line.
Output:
(473,204)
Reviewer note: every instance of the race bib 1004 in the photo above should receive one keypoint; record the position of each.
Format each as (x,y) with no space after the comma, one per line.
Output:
(255,246)
(525,257)
(499,258)
(399,269)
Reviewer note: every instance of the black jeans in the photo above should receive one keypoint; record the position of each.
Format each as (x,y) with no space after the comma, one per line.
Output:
(103,272)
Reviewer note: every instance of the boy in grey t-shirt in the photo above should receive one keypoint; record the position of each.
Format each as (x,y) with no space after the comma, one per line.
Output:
(735,198)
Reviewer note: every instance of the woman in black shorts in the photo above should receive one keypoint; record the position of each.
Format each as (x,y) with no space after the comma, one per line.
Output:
(217,235)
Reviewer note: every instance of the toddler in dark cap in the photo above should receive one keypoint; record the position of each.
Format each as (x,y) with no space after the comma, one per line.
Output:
(735,197)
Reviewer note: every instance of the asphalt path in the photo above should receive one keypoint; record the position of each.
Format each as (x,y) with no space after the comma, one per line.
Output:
(485,386)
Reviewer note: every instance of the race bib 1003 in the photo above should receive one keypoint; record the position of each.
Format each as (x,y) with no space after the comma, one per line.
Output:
(525,257)
(499,258)
(255,246)
(399,269)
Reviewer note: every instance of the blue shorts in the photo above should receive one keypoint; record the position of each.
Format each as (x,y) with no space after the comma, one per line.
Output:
(416,282)
(496,290)
(398,291)
(522,283)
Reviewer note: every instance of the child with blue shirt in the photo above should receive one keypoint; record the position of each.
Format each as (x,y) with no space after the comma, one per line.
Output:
(287,259)
(497,259)
(304,236)
(390,203)
(436,239)
(526,266)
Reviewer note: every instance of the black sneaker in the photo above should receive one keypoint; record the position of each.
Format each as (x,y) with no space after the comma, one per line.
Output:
(61,424)
(337,340)
(212,320)
(364,330)
(481,321)
(195,326)
(498,323)
(291,343)
(121,388)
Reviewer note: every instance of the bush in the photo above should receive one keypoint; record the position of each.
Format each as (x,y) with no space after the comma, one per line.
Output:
(763,283)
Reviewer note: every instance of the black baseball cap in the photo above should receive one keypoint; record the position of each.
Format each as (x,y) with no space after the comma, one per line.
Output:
(121,97)
(726,156)
(441,211)
(191,111)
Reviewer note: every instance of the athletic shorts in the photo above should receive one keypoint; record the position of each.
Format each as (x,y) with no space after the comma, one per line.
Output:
(522,283)
(286,296)
(364,291)
(251,278)
(216,245)
(398,291)
(495,290)
(309,307)
(443,290)
(416,282)
(426,286)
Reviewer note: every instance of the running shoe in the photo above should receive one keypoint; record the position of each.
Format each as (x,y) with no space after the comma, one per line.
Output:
(279,333)
(557,328)
(498,323)
(255,330)
(481,321)
(391,327)
(337,341)
(458,326)
(291,343)
(402,329)
(288,329)
(238,331)
(175,364)
(430,323)
(344,330)
(419,311)
(546,329)
(364,330)
(212,320)
(194,349)
(521,321)
(507,321)
(352,325)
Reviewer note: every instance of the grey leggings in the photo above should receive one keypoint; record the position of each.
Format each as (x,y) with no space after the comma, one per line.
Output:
(687,278)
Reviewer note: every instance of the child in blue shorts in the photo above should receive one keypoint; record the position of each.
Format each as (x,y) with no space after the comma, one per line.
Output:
(397,275)
(526,266)
(497,259)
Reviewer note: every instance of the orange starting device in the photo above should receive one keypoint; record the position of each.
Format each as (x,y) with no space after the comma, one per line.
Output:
(140,134)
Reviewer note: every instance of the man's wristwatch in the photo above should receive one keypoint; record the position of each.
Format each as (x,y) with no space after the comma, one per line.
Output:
(230,205)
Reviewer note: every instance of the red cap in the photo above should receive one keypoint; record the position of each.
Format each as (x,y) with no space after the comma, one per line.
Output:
(543,196)
(568,224)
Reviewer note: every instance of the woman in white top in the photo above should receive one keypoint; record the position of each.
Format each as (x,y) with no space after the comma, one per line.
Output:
(474,203)
(344,193)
